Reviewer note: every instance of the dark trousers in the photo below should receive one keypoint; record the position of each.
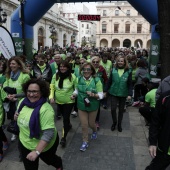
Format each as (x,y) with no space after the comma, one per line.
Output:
(2,139)
(75,105)
(139,90)
(98,115)
(147,112)
(65,110)
(49,157)
(114,101)
(160,162)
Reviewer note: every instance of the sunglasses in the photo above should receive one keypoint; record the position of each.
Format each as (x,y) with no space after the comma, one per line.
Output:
(86,69)
(95,62)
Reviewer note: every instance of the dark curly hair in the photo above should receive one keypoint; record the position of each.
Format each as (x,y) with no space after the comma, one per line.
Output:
(43,85)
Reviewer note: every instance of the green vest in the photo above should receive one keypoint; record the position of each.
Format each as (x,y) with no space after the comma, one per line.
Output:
(83,87)
(2,114)
(119,84)
(54,67)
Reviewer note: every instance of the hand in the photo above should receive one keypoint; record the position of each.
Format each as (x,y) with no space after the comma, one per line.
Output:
(129,98)
(73,96)
(32,156)
(91,95)
(16,116)
(52,101)
(104,94)
(152,150)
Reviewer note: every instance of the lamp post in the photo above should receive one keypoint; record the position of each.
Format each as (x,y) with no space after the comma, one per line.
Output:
(83,41)
(3,16)
(52,31)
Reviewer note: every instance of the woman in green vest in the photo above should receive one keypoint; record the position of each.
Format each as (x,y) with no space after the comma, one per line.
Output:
(16,75)
(3,138)
(62,86)
(89,91)
(120,88)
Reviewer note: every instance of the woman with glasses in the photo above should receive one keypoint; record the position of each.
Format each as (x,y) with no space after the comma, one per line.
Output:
(16,75)
(120,88)
(101,73)
(88,92)
(42,70)
(62,86)
(38,137)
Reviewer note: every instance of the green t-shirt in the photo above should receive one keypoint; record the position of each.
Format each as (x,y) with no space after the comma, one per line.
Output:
(107,66)
(120,72)
(47,116)
(150,97)
(62,96)
(18,83)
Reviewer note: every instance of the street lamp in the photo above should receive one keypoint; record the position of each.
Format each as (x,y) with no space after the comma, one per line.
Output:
(3,16)
(52,30)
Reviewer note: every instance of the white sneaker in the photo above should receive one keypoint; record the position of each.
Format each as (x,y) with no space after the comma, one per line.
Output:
(74,113)
(13,138)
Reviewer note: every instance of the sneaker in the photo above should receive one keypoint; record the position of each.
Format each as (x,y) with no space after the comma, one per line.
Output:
(13,138)
(74,113)
(63,142)
(94,135)
(1,157)
(136,103)
(84,146)
(104,107)
(97,125)
(5,146)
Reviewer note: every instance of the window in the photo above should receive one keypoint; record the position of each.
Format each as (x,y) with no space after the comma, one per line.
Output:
(127,28)
(139,28)
(128,13)
(82,25)
(104,28)
(116,28)
(116,12)
(87,26)
(104,13)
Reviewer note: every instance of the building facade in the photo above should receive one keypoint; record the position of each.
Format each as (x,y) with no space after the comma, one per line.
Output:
(121,26)
(86,35)
(51,30)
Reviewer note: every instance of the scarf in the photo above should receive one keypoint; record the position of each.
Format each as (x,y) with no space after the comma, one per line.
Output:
(34,123)
(42,68)
(62,77)
(14,76)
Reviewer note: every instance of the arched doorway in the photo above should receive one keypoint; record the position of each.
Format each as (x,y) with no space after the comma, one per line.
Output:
(64,40)
(40,38)
(115,43)
(127,43)
(138,43)
(103,43)
(148,45)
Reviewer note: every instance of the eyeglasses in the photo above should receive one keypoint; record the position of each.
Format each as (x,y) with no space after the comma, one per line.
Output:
(35,92)
(86,69)
(81,63)
(95,62)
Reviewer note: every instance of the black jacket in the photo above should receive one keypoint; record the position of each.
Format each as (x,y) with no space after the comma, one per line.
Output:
(46,75)
(159,132)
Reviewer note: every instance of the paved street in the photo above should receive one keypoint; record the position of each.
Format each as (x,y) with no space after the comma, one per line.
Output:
(112,150)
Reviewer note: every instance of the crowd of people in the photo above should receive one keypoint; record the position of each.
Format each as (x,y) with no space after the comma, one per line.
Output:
(79,81)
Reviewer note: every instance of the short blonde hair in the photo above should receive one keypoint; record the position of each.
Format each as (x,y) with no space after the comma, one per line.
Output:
(95,57)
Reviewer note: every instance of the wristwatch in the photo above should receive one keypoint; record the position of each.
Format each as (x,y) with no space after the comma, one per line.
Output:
(37,152)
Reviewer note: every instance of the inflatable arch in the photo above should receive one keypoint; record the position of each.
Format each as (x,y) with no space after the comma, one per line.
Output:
(34,10)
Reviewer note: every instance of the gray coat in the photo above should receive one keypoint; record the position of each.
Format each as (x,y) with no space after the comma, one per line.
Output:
(163,87)
(140,74)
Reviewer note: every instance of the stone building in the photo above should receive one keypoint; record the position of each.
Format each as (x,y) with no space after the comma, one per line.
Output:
(121,26)
(52,29)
